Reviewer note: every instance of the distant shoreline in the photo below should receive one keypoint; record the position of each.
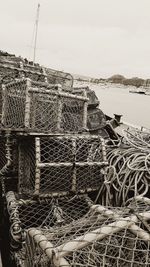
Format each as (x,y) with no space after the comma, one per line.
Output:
(116,79)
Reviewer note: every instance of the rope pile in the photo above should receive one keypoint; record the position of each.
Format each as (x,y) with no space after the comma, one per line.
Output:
(128,174)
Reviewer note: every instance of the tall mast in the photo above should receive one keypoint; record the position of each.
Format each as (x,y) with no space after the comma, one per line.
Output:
(36,31)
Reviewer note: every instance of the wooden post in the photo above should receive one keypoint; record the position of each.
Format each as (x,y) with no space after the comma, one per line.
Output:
(37,168)
(27,104)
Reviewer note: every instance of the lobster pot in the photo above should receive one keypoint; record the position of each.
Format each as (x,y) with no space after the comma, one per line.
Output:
(43,213)
(28,107)
(103,237)
(10,70)
(93,99)
(33,68)
(96,119)
(8,162)
(59,165)
(3,159)
(59,77)
(7,74)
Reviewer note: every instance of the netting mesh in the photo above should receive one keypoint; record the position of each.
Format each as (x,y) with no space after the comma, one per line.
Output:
(41,110)
(96,119)
(50,165)
(45,212)
(7,74)
(8,62)
(33,75)
(102,237)
(10,70)
(35,68)
(13,110)
(34,71)
(60,77)
(93,99)
(8,163)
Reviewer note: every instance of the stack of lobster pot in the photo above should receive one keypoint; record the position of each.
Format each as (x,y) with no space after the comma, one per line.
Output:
(50,162)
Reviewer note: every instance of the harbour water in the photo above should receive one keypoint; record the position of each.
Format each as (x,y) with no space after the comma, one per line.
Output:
(116,99)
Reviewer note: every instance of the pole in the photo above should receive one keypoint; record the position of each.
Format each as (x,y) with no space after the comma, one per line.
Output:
(36,31)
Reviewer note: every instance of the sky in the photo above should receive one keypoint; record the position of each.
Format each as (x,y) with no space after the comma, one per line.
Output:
(95,38)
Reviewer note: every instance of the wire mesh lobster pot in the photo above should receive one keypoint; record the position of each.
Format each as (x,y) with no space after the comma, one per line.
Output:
(46,212)
(43,213)
(96,119)
(103,237)
(26,107)
(93,99)
(61,164)
(8,162)
(7,75)
(59,77)
(32,67)
(7,70)
(3,159)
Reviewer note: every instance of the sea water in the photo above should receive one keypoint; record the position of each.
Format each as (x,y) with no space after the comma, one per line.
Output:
(116,99)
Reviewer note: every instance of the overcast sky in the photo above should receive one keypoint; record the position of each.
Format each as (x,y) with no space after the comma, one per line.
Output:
(92,37)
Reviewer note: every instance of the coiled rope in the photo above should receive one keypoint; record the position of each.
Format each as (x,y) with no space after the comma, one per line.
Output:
(128,174)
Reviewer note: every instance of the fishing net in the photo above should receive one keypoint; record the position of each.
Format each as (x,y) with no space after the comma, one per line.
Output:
(102,237)
(128,173)
(59,165)
(27,107)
